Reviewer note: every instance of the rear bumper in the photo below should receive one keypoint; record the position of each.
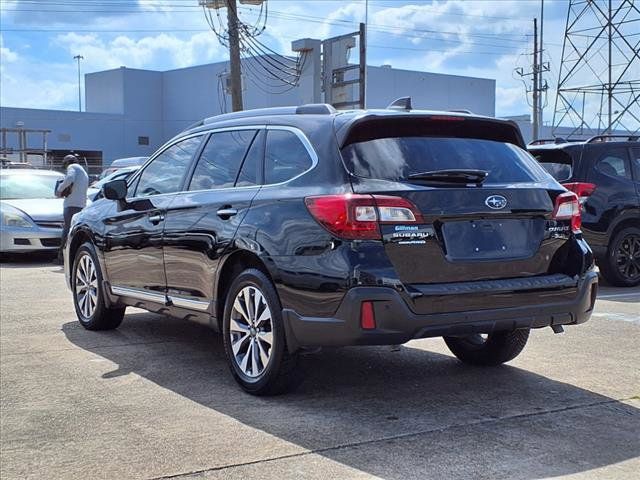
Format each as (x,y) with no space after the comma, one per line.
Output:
(397,322)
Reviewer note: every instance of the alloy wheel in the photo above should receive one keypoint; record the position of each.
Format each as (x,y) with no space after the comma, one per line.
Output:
(251,331)
(628,257)
(86,286)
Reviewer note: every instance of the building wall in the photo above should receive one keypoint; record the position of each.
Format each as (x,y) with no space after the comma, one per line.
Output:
(191,94)
(71,130)
(431,91)
(143,110)
(110,84)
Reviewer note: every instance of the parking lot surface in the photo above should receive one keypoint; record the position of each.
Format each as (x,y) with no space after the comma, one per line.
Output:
(154,399)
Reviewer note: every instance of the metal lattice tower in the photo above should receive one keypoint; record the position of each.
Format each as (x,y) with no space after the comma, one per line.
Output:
(599,78)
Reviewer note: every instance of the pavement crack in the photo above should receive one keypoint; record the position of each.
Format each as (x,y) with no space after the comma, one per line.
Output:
(482,421)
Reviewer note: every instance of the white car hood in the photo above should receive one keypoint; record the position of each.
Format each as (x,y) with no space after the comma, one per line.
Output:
(39,209)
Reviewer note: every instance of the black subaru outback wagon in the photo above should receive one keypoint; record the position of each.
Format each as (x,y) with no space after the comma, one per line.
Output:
(604,172)
(294,228)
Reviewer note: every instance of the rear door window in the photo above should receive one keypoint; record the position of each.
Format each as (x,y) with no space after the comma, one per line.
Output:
(285,157)
(221,159)
(557,163)
(560,171)
(614,163)
(396,158)
(166,172)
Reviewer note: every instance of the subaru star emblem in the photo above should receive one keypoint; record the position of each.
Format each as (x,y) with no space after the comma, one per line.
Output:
(496,202)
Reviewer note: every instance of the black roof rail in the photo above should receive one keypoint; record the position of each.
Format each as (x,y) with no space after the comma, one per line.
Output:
(611,137)
(461,110)
(544,141)
(402,103)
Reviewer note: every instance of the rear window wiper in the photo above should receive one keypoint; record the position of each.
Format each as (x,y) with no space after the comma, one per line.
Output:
(453,175)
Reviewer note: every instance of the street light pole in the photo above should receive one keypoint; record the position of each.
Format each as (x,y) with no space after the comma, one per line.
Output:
(78,58)
(366,39)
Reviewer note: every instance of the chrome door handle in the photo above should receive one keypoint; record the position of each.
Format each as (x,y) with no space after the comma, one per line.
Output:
(156,219)
(227,212)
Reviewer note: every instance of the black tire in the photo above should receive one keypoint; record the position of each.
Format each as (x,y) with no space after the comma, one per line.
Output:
(495,349)
(100,317)
(279,374)
(621,267)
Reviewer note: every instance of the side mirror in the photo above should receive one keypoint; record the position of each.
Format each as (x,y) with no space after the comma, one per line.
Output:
(115,189)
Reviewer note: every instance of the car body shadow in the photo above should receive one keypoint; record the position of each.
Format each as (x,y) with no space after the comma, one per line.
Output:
(417,413)
(27,260)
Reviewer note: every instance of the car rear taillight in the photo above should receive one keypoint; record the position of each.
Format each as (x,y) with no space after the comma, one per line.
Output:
(356,217)
(567,207)
(581,189)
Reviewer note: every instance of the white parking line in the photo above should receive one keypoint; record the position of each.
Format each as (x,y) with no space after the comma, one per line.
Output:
(625,317)
(618,295)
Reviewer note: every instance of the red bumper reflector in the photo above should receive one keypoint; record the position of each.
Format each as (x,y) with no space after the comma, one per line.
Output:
(367,316)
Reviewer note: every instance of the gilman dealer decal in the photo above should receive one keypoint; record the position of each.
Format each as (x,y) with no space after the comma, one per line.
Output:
(410,234)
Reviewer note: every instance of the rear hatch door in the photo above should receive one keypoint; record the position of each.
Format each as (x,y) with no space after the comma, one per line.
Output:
(483,205)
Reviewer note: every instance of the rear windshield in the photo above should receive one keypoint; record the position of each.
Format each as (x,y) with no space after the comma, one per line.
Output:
(395,158)
(556,162)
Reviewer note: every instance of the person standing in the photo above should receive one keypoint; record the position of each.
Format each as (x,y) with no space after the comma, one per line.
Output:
(74,190)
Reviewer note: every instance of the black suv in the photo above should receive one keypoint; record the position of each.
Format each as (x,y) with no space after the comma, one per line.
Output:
(604,172)
(296,228)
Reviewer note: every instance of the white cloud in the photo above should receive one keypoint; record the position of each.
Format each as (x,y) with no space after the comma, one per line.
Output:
(6,54)
(158,51)
(31,83)
(20,88)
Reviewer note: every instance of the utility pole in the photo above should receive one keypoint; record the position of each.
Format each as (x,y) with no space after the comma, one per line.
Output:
(541,63)
(78,58)
(538,86)
(536,74)
(234,56)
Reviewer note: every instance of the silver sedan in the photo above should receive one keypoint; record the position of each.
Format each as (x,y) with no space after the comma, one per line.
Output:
(31,214)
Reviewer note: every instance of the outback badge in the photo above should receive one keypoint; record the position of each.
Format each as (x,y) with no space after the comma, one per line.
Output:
(496,202)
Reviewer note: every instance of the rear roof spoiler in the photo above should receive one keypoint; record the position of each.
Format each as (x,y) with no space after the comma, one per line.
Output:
(361,127)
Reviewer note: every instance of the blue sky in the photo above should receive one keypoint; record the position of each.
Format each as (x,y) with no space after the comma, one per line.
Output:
(465,37)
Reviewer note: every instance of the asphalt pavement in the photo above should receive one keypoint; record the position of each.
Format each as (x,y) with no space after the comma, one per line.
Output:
(154,399)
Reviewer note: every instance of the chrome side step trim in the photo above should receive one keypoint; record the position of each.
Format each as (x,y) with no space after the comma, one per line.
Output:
(189,304)
(139,294)
(147,296)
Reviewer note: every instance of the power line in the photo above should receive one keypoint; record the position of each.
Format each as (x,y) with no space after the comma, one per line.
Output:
(289,16)
(201,30)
